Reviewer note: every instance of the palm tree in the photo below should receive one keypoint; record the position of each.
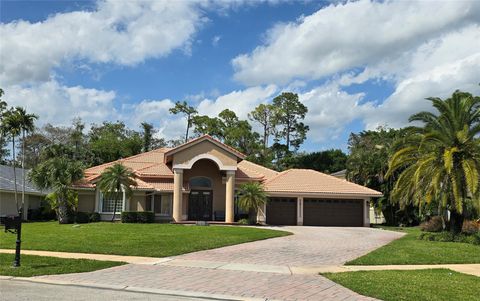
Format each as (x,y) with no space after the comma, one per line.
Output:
(27,124)
(12,125)
(114,181)
(58,174)
(440,160)
(252,197)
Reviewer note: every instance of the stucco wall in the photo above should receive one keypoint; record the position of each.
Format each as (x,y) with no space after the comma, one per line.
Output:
(9,207)
(137,202)
(207,168)
(204,147)
(86,201)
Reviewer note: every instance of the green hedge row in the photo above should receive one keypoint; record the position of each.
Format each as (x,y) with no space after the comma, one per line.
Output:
(445,236)
(142,217)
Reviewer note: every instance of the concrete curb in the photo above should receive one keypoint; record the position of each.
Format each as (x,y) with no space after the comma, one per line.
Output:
(135,289)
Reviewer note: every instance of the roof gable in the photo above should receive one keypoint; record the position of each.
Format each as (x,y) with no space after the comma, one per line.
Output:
(209,138)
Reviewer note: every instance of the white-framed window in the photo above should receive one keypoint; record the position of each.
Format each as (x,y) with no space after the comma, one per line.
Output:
(161,204)
(108,202)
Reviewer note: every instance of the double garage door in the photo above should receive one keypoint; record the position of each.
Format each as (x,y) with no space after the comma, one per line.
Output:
(316,212)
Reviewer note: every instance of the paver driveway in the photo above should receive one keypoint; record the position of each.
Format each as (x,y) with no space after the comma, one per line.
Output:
(222,273)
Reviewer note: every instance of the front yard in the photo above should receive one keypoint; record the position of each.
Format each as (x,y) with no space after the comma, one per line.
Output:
(438,285)
(410,250)
(152,240)
(38,265)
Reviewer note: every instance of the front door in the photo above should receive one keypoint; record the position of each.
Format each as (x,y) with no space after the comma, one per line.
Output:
(200,205)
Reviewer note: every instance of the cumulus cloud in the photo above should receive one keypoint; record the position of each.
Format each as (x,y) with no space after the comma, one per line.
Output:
(350,35)
(119,32)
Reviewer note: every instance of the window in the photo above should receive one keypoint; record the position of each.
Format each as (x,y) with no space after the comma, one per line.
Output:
(200,182)
(161,204)
(108,202)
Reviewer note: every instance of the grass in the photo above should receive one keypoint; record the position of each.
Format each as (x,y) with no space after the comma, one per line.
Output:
(410,250)
(438,284)
(153,240)
(39,265)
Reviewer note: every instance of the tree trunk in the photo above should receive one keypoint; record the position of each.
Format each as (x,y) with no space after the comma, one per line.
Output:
(62,212)
(15,174)
(252,216)
(456,222)
(23,172)
(115,206)
(188,127)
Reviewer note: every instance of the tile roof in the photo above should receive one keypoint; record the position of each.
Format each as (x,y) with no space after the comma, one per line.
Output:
(247,169)
(313,182)
(210,138)
(7,180)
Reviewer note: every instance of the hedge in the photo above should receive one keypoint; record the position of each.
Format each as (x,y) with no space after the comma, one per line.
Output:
(142,217)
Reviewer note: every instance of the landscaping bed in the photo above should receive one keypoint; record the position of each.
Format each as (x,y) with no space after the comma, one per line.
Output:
(411,250)
(153,240)
(39,265)
(437,284)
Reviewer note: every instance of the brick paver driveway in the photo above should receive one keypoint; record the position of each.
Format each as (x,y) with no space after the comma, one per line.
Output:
(205,273)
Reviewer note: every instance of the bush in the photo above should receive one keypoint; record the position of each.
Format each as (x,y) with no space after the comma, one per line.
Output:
(145,217)
(82,217)
(435,224)
(244,221)
(449,237)
(470,227)
(42,213)
(138,217)
(94,217)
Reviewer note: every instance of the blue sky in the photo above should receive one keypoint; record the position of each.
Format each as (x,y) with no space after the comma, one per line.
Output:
(356,65)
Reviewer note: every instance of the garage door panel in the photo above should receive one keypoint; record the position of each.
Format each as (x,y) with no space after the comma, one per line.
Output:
(282,211)
(325,212)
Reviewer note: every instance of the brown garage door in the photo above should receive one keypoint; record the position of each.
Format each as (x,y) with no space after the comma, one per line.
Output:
(324,212)
(282,211)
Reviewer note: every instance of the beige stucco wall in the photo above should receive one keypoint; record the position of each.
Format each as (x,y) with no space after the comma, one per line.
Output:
(207,168)
(86,201)
(138,202)
(9,207)
(205,147)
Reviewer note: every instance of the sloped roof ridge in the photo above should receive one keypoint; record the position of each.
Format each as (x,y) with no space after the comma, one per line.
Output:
(261,166)
(280,174)
(206,136)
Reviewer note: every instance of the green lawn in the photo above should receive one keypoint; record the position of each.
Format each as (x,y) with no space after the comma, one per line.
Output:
(38,265)
(438,285)
(154,240)
(410,250)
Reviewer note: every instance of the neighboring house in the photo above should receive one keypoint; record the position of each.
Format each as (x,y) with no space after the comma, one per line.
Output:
(33,196)
(197,181)
(341,174)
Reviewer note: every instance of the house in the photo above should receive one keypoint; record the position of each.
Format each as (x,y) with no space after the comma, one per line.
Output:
(33,196)
(197,181)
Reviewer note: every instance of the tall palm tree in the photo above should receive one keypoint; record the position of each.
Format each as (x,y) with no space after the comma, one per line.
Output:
(12,126)
(252,197)
(27,124)
(116,180)
(58,174)
(440,160)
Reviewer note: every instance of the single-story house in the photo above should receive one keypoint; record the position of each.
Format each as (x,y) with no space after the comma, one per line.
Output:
(197,181)
(33,196)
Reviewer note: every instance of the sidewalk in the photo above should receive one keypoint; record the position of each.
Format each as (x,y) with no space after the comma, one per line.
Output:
(471,269)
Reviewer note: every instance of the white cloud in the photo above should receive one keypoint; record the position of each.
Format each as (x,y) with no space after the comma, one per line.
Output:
(350,35)
(58,104)
(215,40)
(120,32)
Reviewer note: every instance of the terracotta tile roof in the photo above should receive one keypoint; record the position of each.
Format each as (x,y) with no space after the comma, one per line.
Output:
(206,137)
(164,184)
(313,182)
(247,169)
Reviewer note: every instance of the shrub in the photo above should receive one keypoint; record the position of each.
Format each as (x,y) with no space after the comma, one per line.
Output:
(82,217)
(470,227)
(449,237)
(129,216)
(435,224)
(244,221)
(145,217)
(94,217)
(142,217)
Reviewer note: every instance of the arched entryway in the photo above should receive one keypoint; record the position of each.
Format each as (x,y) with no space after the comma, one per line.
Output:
(200,199)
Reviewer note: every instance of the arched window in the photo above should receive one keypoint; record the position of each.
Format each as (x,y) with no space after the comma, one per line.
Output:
(200,182)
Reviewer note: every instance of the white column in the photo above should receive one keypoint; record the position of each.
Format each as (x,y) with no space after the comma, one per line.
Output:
(300,211)
(366,212)
(229,197)
(177,194)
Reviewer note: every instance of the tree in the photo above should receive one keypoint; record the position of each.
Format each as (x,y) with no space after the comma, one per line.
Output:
(3,150)
(289,112)
(440,158)
(116,180)
(77,136)
(328,161)
(264,115)
(58,174)
(188,111)
(12,126)
(27,124)
(147,136)
(251,197)
(35,143)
